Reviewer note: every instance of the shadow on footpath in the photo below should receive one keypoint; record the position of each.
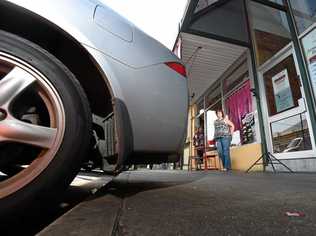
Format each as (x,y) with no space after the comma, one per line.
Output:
(123,186)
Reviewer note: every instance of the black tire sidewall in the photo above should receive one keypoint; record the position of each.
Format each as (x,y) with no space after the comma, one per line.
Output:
(66,163)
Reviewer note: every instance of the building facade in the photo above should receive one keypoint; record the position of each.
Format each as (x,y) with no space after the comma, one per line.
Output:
(256,60)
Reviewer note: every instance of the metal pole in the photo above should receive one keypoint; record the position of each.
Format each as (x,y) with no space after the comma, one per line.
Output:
(205,133)
(257,91)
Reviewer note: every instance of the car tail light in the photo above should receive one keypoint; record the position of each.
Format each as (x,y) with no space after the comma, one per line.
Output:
(177,67)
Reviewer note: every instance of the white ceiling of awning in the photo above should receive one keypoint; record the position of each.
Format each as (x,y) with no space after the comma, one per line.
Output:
(206,65)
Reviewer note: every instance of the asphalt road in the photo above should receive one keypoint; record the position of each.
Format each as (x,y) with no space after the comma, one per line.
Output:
(195,203)
(83,186)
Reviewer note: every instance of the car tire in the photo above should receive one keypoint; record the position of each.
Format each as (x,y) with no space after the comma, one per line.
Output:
(59,136)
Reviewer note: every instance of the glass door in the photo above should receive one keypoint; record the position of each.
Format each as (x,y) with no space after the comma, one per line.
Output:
(286,115)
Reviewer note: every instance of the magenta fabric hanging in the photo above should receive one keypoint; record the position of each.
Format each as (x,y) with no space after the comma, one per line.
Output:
(239,104)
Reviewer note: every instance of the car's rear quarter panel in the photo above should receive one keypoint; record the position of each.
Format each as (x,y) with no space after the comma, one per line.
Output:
(156,98)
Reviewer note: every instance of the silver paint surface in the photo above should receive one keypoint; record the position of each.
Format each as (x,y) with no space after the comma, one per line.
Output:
(156,97)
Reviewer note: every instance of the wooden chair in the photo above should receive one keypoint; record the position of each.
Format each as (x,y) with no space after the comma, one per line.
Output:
(211,156)
(195,159)
(211,161)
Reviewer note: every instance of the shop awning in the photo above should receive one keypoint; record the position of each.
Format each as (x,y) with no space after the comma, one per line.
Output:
(213,35)
(206,60)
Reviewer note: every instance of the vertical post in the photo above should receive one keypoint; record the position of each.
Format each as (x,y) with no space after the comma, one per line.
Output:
(302,128)
(205,133)
(257,90)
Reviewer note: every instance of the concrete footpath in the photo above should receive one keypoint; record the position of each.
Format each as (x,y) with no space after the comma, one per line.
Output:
(196,203)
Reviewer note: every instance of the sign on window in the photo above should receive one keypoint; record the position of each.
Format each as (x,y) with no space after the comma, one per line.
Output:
(282,91)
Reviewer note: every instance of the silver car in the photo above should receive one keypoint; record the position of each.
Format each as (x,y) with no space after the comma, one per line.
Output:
(81,87)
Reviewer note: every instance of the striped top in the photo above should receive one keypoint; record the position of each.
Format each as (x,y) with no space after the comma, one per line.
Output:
(221,129)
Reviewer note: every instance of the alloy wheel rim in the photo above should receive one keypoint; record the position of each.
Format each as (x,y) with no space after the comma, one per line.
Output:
(20,78)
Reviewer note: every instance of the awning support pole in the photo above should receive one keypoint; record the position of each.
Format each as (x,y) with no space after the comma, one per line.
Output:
(257,92)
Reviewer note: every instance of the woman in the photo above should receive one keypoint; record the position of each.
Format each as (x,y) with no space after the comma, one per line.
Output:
(224,130)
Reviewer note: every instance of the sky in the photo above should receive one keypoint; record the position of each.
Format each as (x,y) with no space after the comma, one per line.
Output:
(158,18)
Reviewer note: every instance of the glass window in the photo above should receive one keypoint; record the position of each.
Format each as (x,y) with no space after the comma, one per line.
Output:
(280,2)
(210,118)
(199,122)
(202,4)
(291,134)
(271,31)
(200,107)
(213,96)
(239,109)
(217,106)
(309,45)
(235,79)
(304,12)
(227,19)
(282,86)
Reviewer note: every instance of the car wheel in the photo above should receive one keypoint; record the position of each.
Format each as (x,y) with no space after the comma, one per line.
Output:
(45,125)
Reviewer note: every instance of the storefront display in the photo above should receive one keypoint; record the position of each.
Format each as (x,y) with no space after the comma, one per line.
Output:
(248,128)
(262,86)
(238,105)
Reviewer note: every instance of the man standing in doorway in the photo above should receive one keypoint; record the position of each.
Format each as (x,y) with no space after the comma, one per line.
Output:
(198,141)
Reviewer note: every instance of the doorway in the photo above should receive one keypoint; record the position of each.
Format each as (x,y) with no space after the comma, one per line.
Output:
(285,112)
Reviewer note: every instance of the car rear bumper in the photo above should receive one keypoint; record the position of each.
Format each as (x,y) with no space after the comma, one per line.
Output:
(151,103)
(157,101)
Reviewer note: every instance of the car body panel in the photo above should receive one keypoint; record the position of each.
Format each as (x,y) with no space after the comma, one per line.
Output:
(110,21)
(77,19)
(156,97)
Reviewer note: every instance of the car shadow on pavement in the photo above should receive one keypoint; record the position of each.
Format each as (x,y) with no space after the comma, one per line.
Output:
(132,182)
(32,221)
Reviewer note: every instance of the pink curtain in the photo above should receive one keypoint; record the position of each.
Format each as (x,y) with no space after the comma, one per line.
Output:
(239,104)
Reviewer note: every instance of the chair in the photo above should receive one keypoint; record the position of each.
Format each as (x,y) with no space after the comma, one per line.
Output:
(211,156)
(191,158)
(210,160)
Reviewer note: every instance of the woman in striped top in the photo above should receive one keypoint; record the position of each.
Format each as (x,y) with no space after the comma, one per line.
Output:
(224,130)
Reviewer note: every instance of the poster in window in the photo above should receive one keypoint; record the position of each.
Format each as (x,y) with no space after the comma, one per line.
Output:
(282,91)
(309,44)
(248,128)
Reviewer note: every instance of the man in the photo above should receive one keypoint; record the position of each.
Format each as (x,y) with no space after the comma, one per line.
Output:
(198,141)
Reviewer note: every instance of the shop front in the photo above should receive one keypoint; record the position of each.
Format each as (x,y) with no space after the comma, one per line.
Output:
(256,60)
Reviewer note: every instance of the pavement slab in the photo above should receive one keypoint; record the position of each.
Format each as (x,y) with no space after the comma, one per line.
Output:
(195,203)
